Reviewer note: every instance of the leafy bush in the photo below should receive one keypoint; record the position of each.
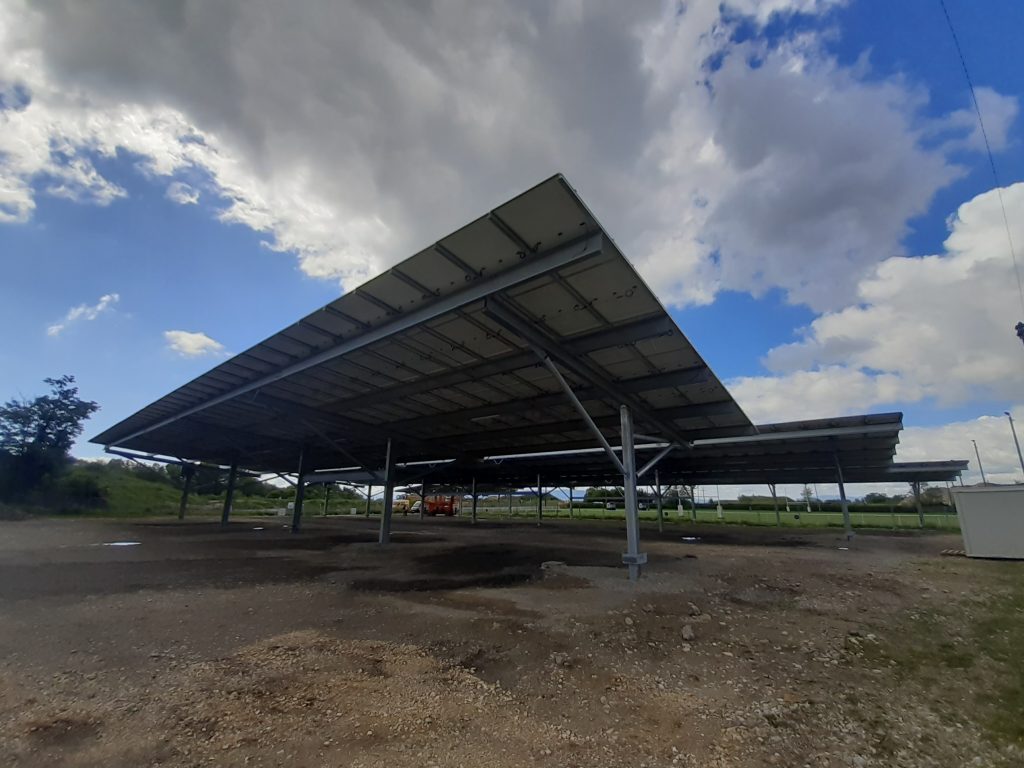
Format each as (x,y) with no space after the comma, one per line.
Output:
(79,490)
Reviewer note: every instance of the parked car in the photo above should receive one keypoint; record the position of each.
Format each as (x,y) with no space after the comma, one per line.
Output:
(610,505)
(641,505)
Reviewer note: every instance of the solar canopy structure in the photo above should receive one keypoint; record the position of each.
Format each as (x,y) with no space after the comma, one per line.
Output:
(524,333)
(861,447)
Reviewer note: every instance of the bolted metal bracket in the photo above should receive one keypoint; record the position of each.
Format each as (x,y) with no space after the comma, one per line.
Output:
(640,558)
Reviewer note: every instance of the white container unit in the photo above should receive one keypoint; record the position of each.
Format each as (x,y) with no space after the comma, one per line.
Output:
(992,520)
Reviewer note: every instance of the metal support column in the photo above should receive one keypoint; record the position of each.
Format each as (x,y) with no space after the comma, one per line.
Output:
(509,503)
(300,492)
(369,497)
(187,473)
(423,499)
(473,491)
(327,497)
(775,503)
(916,485)
(572,489)
(229,495)
(389,492)
(540,501)
(661,510)
(693,503)
(632,557)
(1016,442)
(847,525)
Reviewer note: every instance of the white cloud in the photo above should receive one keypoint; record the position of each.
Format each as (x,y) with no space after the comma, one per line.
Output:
(84,312)
(192,343)
(831,391)
(353,133)
(999,113)
(953,440)
(182,193)
(938,327)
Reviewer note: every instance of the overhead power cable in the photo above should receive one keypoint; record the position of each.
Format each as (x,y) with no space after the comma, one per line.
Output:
(1019,328)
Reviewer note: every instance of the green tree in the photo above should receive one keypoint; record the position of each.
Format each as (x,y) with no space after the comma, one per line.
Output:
(596,494)
(933,495)
(881,498)
(36,436)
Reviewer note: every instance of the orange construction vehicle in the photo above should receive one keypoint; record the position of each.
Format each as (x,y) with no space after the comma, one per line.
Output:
(439,505)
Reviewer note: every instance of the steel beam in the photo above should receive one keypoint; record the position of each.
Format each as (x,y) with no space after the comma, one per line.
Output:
(475,291)
(601,439)
(504,314)
(540,502)
(473,492)
(369,498)
(229,495)
(661,511)
(916,485)
(485,438)
(682,377)
(300,491)
(650,327)
(389,493)
(847,525)
(187,473)
(657,457)
(633,557)
(805,434)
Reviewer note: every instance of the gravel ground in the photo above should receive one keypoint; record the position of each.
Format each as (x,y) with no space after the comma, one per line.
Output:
(498,645)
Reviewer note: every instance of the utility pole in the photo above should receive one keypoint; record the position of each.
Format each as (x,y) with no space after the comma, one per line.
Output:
(1016,442)
(981,467)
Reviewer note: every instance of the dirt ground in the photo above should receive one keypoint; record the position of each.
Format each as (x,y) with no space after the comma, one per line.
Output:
(498,645)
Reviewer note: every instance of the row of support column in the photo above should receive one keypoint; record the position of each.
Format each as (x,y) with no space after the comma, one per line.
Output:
(633,558)
(632,506)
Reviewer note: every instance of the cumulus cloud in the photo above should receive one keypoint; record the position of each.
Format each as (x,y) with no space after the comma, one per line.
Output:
(999,113)
(192,343)
(350,134)
(938,327)
(831,391)
(182,193)
(995,445)
(84,312)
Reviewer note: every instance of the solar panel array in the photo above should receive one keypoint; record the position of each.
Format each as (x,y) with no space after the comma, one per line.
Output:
(424,354)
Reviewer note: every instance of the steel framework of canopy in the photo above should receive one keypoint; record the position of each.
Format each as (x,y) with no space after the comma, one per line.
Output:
(524,332)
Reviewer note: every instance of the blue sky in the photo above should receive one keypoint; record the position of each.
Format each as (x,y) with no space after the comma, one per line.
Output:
(226,187)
